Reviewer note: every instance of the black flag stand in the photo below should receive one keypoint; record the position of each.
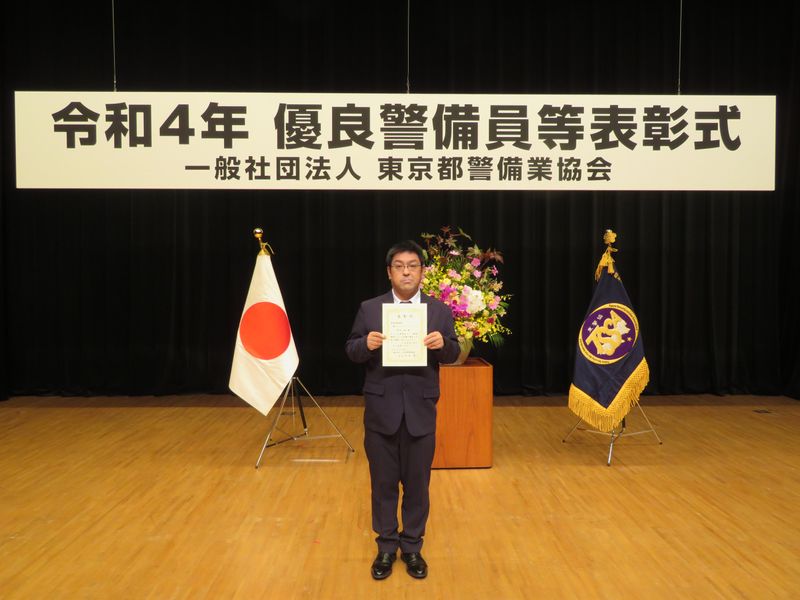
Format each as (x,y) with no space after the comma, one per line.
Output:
(291,391)
(615,434)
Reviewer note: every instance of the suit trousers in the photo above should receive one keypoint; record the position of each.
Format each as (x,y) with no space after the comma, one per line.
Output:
(395,459)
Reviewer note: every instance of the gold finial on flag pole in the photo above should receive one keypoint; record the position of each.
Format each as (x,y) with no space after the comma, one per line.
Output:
(607,260)
(266,249)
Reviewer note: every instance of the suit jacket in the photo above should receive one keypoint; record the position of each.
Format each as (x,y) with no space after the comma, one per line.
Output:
(391,392)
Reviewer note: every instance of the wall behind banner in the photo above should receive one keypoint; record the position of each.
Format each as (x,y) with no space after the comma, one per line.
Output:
(140,292)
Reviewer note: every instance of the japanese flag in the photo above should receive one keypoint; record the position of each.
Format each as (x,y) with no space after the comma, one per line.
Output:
(265,357)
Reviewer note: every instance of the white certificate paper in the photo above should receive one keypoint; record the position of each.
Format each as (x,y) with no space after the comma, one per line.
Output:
(405,326)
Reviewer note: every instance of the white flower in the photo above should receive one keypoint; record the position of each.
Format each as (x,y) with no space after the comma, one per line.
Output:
(475,302)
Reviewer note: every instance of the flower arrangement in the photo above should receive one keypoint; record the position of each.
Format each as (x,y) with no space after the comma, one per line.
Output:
(465,279)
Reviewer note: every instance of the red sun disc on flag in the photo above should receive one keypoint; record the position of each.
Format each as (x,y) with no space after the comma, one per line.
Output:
(265,330)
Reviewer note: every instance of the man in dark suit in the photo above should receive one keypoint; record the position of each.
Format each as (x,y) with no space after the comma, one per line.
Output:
(400,413)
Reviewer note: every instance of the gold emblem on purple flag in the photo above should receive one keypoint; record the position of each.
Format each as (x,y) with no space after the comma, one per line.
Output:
(608,333)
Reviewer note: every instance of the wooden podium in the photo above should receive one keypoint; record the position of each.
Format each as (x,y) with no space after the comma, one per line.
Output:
(464,416)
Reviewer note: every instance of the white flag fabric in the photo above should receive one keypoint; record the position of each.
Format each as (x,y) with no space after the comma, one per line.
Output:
(265,358)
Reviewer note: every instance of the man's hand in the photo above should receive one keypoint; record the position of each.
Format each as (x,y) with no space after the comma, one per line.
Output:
(375,340)
(433,341)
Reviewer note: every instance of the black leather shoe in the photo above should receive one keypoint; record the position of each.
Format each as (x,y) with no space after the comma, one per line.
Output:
(382,565)
(415,564)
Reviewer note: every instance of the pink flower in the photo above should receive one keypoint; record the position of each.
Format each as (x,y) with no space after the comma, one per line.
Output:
(476,273)
(475,262)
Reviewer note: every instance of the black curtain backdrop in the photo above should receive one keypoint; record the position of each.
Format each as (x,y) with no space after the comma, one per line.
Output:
(140,292)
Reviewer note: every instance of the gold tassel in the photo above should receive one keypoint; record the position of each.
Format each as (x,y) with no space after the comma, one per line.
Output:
(606,419)
(607,260)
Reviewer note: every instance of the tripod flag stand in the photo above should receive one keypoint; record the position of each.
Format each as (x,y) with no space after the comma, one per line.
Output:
(291,391)
(616,434)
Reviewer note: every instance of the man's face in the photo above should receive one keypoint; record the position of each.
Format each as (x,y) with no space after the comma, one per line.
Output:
(405,273)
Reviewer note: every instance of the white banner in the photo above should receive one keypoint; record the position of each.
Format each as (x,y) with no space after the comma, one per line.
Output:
(209,140)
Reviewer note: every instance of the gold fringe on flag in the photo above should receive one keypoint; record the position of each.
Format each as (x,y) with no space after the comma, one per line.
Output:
(606,419)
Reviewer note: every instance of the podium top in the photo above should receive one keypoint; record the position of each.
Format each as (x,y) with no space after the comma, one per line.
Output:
(472,361)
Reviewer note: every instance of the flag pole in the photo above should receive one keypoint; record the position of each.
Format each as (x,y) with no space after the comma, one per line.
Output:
(291,391)
(607,263)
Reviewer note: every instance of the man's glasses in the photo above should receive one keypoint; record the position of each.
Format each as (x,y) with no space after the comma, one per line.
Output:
(402,267)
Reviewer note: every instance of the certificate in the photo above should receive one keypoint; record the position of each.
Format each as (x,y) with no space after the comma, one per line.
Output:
(405,326)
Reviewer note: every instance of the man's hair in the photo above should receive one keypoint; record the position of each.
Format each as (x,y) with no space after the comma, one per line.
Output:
(406,246)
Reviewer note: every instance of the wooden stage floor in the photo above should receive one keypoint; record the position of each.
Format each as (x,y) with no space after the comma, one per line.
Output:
(158,498)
